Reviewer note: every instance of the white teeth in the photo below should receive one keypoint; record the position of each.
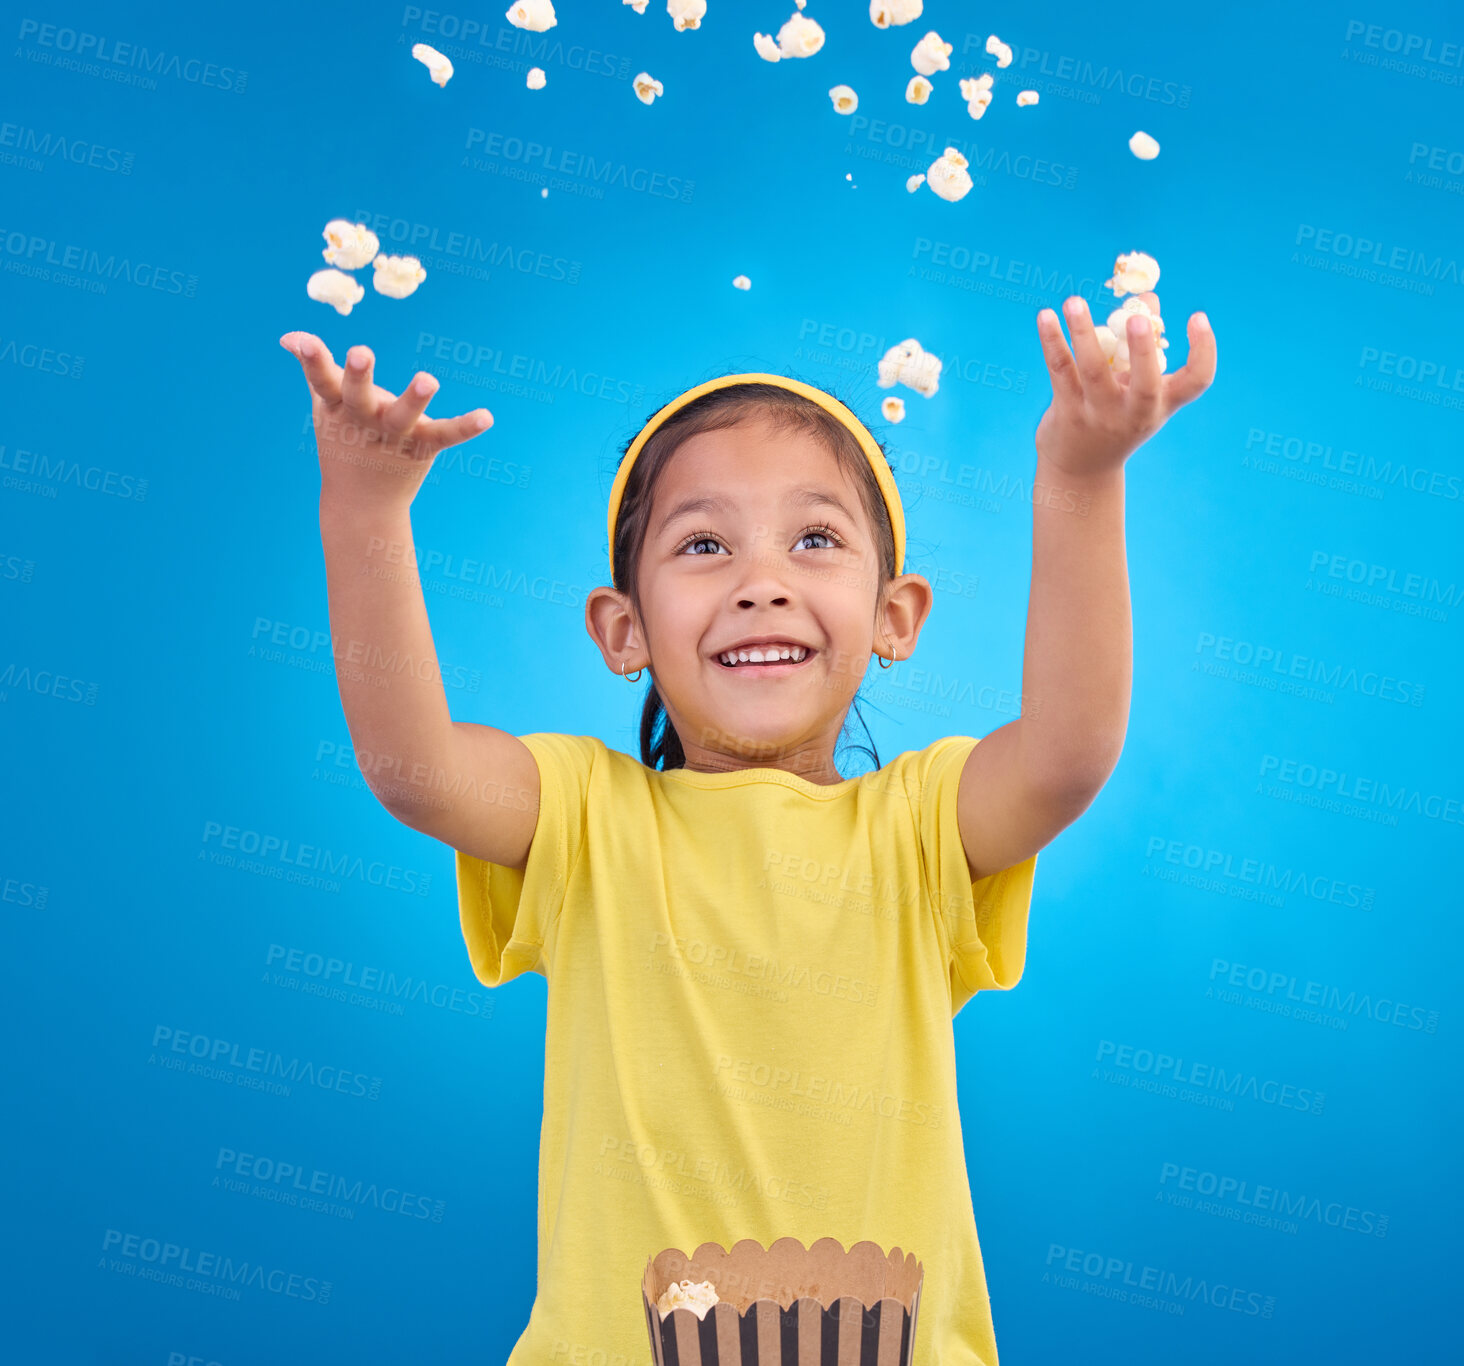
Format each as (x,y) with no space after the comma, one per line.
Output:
(764,654)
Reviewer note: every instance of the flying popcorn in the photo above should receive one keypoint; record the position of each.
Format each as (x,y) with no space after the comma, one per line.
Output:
(893,408)
(844,98)
(909,364)
(536,78)
(918,91)
(999,50)
(947,175)
(438,67)
(802,4)
(914,182)
(397,276)
(686,14)
(336,288)
(1026,97)
(767,47)
(544,193)
(883,13)
(742,282)
(535,15)
(1143,146)
(1133,273)
(976,91)
(352,245)
(800,37)
(931,55)
(639,6)
(647,89)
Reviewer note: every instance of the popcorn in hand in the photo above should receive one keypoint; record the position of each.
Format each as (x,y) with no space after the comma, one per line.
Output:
(1026,97)
(397,276)
(844,98)
(766,47)
(931,55)
(893,409)
(1113,335)
(883,13)
(336,288)
(914,182)
(947,175)
(438,67)
(741,282)
(909,364)
(536,78)
(352,245)
(686,14)
(535,15)
(999,50)
(918,91)
(647,89)
(1143,146)
(800,37)
(1134,272)
(698,1297)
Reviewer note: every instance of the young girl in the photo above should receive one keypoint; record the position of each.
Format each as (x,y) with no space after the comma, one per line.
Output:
(752,961)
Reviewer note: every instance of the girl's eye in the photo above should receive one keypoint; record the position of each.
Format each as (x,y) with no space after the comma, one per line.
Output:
(826,532)
(698,538)
(707,538)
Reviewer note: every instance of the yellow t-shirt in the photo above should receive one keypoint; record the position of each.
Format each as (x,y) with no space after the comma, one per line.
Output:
(751,982)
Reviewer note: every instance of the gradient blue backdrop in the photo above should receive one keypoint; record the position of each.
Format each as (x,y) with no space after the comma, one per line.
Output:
(166,672)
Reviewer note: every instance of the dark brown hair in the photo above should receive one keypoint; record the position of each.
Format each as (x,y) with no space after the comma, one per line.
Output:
(721,408)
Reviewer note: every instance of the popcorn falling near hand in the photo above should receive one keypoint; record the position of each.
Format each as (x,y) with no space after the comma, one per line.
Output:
(686,14)
(931,55)
(438,67)
(1143,146)
(741,282)
(397,276)
(534,15)
(646,89)
(352,245)
(918,91)
(336,288)
(893,409)
(948,177)
(844,98)
(884,13)
(911,365)
(536,78)
(1134,272)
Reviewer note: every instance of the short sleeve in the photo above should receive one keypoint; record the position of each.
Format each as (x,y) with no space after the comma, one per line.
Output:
(985,921)
(508,915)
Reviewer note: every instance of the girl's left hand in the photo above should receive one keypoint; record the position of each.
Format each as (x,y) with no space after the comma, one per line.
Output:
(1097,418)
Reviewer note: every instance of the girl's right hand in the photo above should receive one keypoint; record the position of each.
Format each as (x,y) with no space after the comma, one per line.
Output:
(375,448)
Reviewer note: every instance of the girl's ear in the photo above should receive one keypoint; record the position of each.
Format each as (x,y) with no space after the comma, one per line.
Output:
(610,620)
(908,602)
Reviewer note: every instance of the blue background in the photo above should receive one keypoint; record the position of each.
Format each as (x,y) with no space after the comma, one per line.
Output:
(157,602)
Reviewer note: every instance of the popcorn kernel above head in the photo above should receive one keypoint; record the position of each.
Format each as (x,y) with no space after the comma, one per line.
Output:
(893,409)
(884,13)
(397,276)
(844,98)
(931,55)
(352,245)
(908,363)
(800,37)
(438,67)
(686,14)
(535,15)
(767,47)
(646,88)
(1134,272)
(1026,97)
(999,50)
(914,182)
(336,288)
(741,282)
(1143,146)
(536,78)
(918,91)
(947,175)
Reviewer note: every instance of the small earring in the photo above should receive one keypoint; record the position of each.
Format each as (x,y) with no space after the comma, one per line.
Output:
(883,664)
(630,678)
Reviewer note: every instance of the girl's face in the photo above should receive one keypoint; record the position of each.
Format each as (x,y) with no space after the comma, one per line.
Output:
(757,534)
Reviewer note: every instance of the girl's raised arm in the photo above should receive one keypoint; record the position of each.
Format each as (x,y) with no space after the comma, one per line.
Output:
(475,788)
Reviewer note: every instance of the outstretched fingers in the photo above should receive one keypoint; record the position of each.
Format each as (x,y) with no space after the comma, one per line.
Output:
(1099,383)
(321,372)
(1192,378)
(449,431)
(1065,382)
(402,415)
(356,386)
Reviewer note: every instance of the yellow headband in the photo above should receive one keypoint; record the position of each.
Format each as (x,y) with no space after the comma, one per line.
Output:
(824,400)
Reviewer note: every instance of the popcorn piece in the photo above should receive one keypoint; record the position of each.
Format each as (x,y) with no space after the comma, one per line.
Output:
(1026,97)
(909,364)
(336,288)
(397,276)
(742,282)
(999,50)
(544,193)
(802,4)
(1117,329)
(947,175)
(352,245)
(914,182)
(536,78)
(844,98)
(639,6)
(800,37)
(883,13)
(535,15)
(976,91)
(893,409)
(438,67)
(767,49)
(918,91)
(686,14)
(931,55)
(1143,146)
(1133,273)
(698,1297)
(647,89)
